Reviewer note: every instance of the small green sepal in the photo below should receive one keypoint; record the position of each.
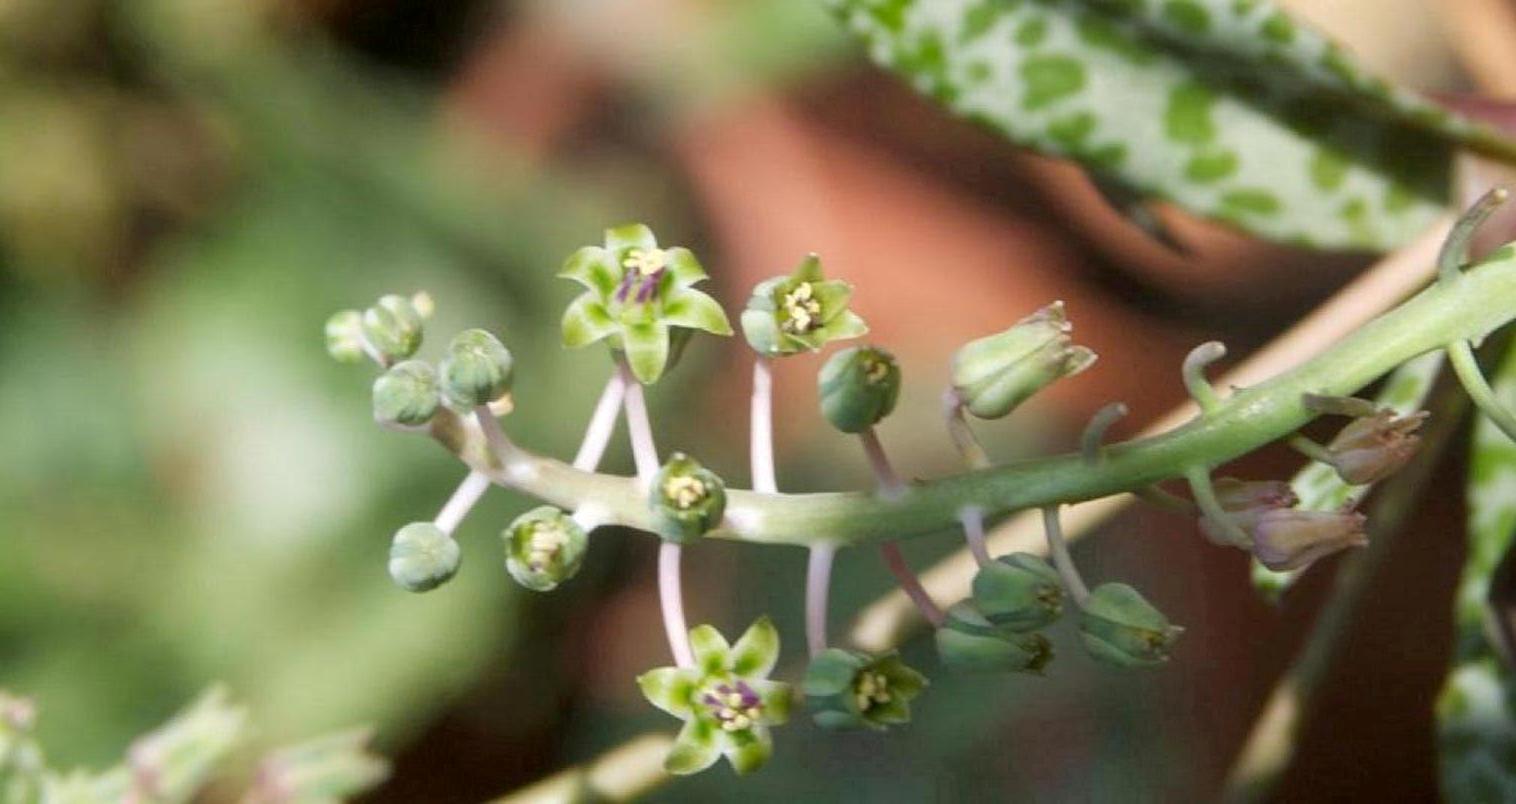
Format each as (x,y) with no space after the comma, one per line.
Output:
(422,557)
(970,642)
(859,387)
(476,370)
(543,548)
(847,689)
(1119,627)
(800,312)
(687,499)
(995,374)
(1020,592)
(406,394)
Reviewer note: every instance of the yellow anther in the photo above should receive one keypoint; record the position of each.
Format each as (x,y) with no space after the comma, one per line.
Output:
(734,700)
(646,261)
(684,492)
(876,371)
(802,309)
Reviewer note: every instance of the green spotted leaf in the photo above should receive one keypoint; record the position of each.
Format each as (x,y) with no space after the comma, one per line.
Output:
(1318,485)
(1476,713)
(1228,108)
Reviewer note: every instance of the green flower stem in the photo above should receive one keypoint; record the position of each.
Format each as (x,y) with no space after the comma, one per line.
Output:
(963,435)
(463,500)
(597,435)
(1195,382)
(818,586)
(1467,368)
(1058,548)
(972,520)
(890,488)
(1094,432)
(1205,497)
(1455,250)
(1485,298)
(1309,448)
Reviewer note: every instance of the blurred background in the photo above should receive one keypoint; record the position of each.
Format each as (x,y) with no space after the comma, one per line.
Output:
(191,491)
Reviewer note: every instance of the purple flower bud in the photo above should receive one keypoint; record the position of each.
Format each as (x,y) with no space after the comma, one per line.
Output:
(1372,447)
(1288,539)
(1246,501)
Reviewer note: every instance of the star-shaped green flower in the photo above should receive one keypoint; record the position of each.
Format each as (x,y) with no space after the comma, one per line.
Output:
(726,701)
(800,312)
(637,297)
(848,689)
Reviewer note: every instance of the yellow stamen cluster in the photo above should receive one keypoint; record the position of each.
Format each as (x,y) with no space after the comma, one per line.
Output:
(646,261)
(545,544)
(684,491)
(870,690)
(733,717)
(803,309)
(875,371)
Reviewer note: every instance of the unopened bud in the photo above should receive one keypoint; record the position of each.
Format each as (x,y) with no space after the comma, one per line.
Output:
(543,548)
(406,394)
(994,374)
(1372,448)
(1119,627)
(1288,539)
(393,327)
(859,387)
(1020,592)
(687,499)
(422,557)
(1245,501)
(477,369)
(968,641)
(847,689)
(344,336)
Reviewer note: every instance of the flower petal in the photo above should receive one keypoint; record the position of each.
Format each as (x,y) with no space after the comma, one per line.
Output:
(761,332)
(595,269)
(696,748)
(830,673)
(647,349)
(756,652)
(776,697)
(691,308)
(685,269)
(710,648)
(833,297)
(585,321)
(749,749)
(671,689)
(629,235)
(809,269)
(847,325)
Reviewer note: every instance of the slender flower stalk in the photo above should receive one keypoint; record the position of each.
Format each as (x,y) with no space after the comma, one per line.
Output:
(1310,449)
(972,519)
(602,424)
(1195,364)
(884,473)
(1058,548)
(891,488)
(1478,388)
(963,435)
(818,585)
(1093,438)
(1210,506)
(463,500)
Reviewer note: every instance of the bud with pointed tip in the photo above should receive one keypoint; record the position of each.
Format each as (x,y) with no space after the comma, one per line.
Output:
(849,689)
(1020,592)
(994,374)
(406,394)
(687,499)
(543,548)
(859,387)
(1119,627)
(344,336)
(1288,539)
(1245,501)
(422,557)
(393,327)
(477,369)
(967,641)
(1372,448)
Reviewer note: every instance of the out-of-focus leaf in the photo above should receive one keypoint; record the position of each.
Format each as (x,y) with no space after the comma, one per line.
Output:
(1318,485)
(1477,711)
(1228,108)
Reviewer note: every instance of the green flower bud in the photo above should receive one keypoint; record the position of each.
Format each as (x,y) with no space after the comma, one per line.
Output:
(859,387)
(852,690)
(543,548)
(1120,627)
(393,327)
(968,641)
(422,557)
(994,374)
(1019,592)
(476,370)
(687,499)
(406,394)
(344,336)
(800,312)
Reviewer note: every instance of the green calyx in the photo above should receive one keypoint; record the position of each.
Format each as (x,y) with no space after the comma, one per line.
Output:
(995,374)
(393,326)
(636,297)
(543,548)
(970,642)
(687,500)
(422,557)
(1119,627)
(859,387)
(726,700)
(1020,592)
(800,312)
(847,689)
(477,369)
(406,394)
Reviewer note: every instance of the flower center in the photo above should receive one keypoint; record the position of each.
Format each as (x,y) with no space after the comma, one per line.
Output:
(735,707)
(644,270)
(875,370)
(871,690)
(646,261)
(684,492)
(803,309)
(544,546)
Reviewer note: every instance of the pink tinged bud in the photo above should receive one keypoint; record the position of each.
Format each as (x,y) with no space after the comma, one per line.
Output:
(1373,447)
(1287,539)
(1245,501)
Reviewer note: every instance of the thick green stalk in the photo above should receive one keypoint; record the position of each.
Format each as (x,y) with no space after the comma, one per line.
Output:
(1465,309)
